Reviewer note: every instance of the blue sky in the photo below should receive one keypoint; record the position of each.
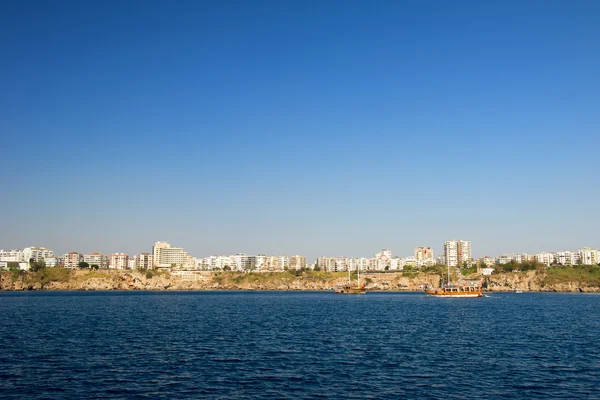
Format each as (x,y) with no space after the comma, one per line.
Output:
(300,127)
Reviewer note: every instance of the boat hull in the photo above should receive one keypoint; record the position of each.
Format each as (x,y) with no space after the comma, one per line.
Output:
(351,291)
(456,295)
(459,292)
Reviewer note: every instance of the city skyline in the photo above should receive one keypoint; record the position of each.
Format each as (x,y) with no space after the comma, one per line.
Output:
(457,253)
(300,128)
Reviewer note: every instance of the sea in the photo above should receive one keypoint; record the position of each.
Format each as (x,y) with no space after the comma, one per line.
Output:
(298,345)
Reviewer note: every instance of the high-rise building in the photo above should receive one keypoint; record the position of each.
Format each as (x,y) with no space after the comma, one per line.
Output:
(174,257)
(156,249)
(451,253)
(464,253)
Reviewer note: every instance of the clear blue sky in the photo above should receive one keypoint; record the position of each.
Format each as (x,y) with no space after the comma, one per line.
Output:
(310,127)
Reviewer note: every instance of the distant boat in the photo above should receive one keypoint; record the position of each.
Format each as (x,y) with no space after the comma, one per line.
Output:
(456,291)
(449,290)
(351,289)
(517,290)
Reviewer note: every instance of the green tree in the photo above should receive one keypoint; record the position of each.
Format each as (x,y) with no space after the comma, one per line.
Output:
(95,266)
(317,268)
(13,266)
(36,266)
(83,264)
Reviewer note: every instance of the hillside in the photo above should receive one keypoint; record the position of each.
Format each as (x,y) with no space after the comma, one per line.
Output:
(563,279)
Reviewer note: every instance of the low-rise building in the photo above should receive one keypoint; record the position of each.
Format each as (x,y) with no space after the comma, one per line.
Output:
(424,256)
(143,261)
(36,254)
(14,255)
(98,259)
(589,256)
(297,262)
(545,258)
(52,261)
(72,260)
(118,261)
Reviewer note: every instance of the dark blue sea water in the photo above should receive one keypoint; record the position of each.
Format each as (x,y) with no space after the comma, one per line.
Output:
(234,345)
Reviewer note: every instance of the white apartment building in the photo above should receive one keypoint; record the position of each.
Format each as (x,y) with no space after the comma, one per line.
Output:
(96,259)
(131,263)
(165,256)
(284,262)
(14,255)
(464,253)
(567,258)
(407,261)
(521,258)
(424,256)
(260,262)
(72,260)
(489,261)
(52,261)
(589,256)
(504,259)
(545,258)
(274,263)
(36,253)
(297,262)
(383,259)
(174,257)
(156,249)
(241,262)
(326,264)
(451,253)
(143,261)
(118,261)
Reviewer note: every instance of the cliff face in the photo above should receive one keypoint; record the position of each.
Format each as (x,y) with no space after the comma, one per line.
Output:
(532,281)
(137,280)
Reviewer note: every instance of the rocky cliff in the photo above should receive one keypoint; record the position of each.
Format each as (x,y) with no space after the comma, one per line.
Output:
(152,280)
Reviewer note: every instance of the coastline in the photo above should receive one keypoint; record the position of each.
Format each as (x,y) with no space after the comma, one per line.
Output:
(127,280)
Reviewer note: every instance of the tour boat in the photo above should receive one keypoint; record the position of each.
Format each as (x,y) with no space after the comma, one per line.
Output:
(455,290)
(517,290)
(351,289)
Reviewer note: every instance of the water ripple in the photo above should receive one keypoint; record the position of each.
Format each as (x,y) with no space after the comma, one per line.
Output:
(124,345)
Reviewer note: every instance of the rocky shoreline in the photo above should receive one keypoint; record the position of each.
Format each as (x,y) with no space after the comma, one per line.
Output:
(156,281)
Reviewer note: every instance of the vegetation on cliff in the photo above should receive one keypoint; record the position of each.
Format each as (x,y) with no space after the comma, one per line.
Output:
(581,275)
(57,278)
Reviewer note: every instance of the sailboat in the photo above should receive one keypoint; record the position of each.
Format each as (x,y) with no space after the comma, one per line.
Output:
(351,289)
(449,290)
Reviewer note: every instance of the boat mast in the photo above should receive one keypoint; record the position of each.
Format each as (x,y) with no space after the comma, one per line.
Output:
(358,270)
(448,282)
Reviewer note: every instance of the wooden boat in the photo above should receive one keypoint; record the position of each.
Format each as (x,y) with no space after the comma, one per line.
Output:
(351,289)
(456,291)
(449,290)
